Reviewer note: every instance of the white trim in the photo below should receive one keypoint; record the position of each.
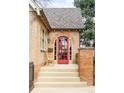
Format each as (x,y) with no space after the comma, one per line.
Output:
(33,4)
(35,7)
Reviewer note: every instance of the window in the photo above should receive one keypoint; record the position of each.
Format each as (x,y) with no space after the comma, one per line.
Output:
(41,37)
(43,40)
(55,50)
(70,49)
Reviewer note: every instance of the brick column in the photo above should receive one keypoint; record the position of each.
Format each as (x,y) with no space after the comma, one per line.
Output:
(85,63)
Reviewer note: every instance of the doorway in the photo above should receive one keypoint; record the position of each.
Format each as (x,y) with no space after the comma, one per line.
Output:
(63,50)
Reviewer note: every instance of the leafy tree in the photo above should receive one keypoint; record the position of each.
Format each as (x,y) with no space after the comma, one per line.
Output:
(88,12)
(87,7)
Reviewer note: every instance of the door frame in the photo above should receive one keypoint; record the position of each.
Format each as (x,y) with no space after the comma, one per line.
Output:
(68,57)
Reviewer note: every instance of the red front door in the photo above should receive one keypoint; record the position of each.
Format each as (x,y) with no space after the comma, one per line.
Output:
(63,50)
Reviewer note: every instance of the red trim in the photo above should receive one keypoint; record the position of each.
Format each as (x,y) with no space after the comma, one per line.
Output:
(63,55)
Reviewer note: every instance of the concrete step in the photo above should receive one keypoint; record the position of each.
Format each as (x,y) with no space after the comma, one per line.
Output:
(90,89)
(62,65)
(58,79)
(66,74)
(59,76)
(60,68)
(60,84)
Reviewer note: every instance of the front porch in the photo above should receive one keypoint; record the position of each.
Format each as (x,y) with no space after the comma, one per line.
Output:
(59,75)
(60,78)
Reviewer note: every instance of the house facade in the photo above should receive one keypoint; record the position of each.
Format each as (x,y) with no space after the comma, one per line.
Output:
(54,37)
(48,31)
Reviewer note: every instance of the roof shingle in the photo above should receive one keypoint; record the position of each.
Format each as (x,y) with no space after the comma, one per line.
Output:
(64,18)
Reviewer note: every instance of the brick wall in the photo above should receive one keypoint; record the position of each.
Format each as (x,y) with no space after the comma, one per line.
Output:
(85,62)
(73,35)
(35,25)
(35,53)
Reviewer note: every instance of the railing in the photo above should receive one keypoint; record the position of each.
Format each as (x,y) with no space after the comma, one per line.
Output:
(31,76)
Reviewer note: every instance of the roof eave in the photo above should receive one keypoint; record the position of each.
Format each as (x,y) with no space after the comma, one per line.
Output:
(66,28)
(35,7)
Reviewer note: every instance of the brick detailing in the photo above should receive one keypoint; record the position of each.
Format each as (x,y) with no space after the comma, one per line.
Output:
(85,62)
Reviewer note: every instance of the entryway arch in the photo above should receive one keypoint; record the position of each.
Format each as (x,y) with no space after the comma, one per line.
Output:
(63,50)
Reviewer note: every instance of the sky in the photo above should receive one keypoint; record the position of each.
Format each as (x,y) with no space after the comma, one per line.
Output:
(60,3)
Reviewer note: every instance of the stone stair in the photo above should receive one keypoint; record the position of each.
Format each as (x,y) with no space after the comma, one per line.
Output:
(59,75)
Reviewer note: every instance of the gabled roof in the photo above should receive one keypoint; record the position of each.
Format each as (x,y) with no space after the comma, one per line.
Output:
(63,18)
